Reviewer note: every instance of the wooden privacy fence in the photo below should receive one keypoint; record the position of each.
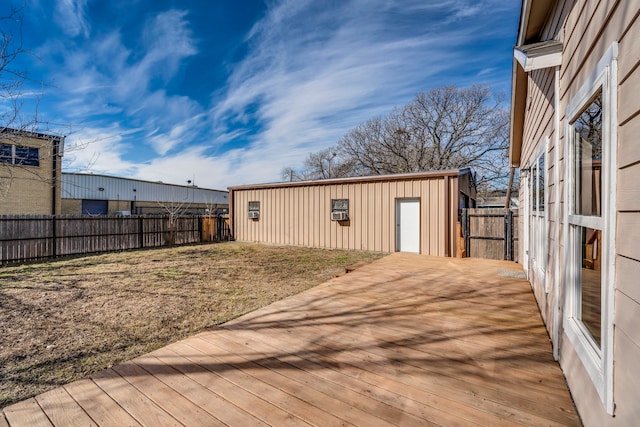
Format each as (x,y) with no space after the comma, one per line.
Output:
(215,228)
(490,233)
(27,238)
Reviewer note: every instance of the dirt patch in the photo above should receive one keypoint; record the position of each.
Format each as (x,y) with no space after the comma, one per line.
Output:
(63,320)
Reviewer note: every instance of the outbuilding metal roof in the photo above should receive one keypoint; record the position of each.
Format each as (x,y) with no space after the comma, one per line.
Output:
(103,187)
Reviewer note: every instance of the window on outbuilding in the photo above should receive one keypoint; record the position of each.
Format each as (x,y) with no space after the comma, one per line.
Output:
(339,209)
(254,210)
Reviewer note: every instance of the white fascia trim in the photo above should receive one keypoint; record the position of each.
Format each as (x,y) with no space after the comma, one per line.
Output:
(539,55)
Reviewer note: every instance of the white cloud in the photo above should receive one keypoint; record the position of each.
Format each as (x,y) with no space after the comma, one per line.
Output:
(311,72)
(70,15)
(100,150)
(105,77)
(315,72)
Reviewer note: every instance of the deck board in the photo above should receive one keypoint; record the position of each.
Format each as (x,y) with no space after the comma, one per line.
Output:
(406,340)
(73,413)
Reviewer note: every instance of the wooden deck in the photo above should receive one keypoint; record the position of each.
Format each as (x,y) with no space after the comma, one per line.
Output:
(407,340)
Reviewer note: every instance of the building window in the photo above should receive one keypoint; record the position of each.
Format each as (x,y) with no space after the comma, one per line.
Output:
(590,250)
(339,209)
(6,153)
(586,218)
(538,238)
(538,185)
(18,155)
(254,210)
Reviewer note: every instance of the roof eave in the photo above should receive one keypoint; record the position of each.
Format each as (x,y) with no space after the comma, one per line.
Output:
(528,56)
(357,179)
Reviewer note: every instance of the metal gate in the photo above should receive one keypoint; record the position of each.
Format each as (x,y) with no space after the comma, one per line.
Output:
(490,233)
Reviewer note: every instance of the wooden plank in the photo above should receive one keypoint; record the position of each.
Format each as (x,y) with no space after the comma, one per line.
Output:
(627,380)
(26,413)
(73,414)
(414,389)
(390,406)
(627,315)
(628,53)
(627,241)
(3,420)
(170,400)
(351,407)
(98,405)
(628,271)
(409,352)
(131,400)
(237,387)
(162,368)
(628,103)
(293,397)
(399,397)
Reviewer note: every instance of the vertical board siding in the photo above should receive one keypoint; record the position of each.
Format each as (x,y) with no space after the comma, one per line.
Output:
(301,215)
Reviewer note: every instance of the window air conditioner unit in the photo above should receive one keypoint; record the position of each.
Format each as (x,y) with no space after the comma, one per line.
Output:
(254,215)
(339,216)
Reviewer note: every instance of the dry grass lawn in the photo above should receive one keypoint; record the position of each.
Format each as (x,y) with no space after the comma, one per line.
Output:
(63,320)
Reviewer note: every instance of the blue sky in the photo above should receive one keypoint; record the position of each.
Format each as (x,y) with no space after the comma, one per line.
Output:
(230,91)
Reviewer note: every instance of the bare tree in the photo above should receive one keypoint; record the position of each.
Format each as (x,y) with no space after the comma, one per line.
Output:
(445,128)
(174,207)
(324,164)
(12,78)
(290,173)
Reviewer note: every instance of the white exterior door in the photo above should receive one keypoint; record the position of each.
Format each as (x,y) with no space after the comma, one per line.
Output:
(408,225)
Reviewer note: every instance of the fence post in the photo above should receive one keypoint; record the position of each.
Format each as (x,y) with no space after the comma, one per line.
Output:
(509,235)
(465,231)
(140,232)
(54,236)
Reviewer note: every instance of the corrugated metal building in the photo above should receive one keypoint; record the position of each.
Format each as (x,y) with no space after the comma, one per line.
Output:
(386,213)
(101,194)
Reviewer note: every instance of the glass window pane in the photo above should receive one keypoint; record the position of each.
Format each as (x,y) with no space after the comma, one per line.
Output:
(534,187)
(541,173)
(254,206)
(339,205)
(6,153)
(27,156)
(591,281)
(588,160)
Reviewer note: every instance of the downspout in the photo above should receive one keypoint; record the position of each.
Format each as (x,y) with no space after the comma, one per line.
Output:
(507,203)
(556,178)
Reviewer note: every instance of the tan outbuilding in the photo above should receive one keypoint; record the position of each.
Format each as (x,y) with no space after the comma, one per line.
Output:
(416,212)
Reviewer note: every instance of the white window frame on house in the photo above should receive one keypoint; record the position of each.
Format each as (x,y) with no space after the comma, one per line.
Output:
(539,242)
(597,359)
